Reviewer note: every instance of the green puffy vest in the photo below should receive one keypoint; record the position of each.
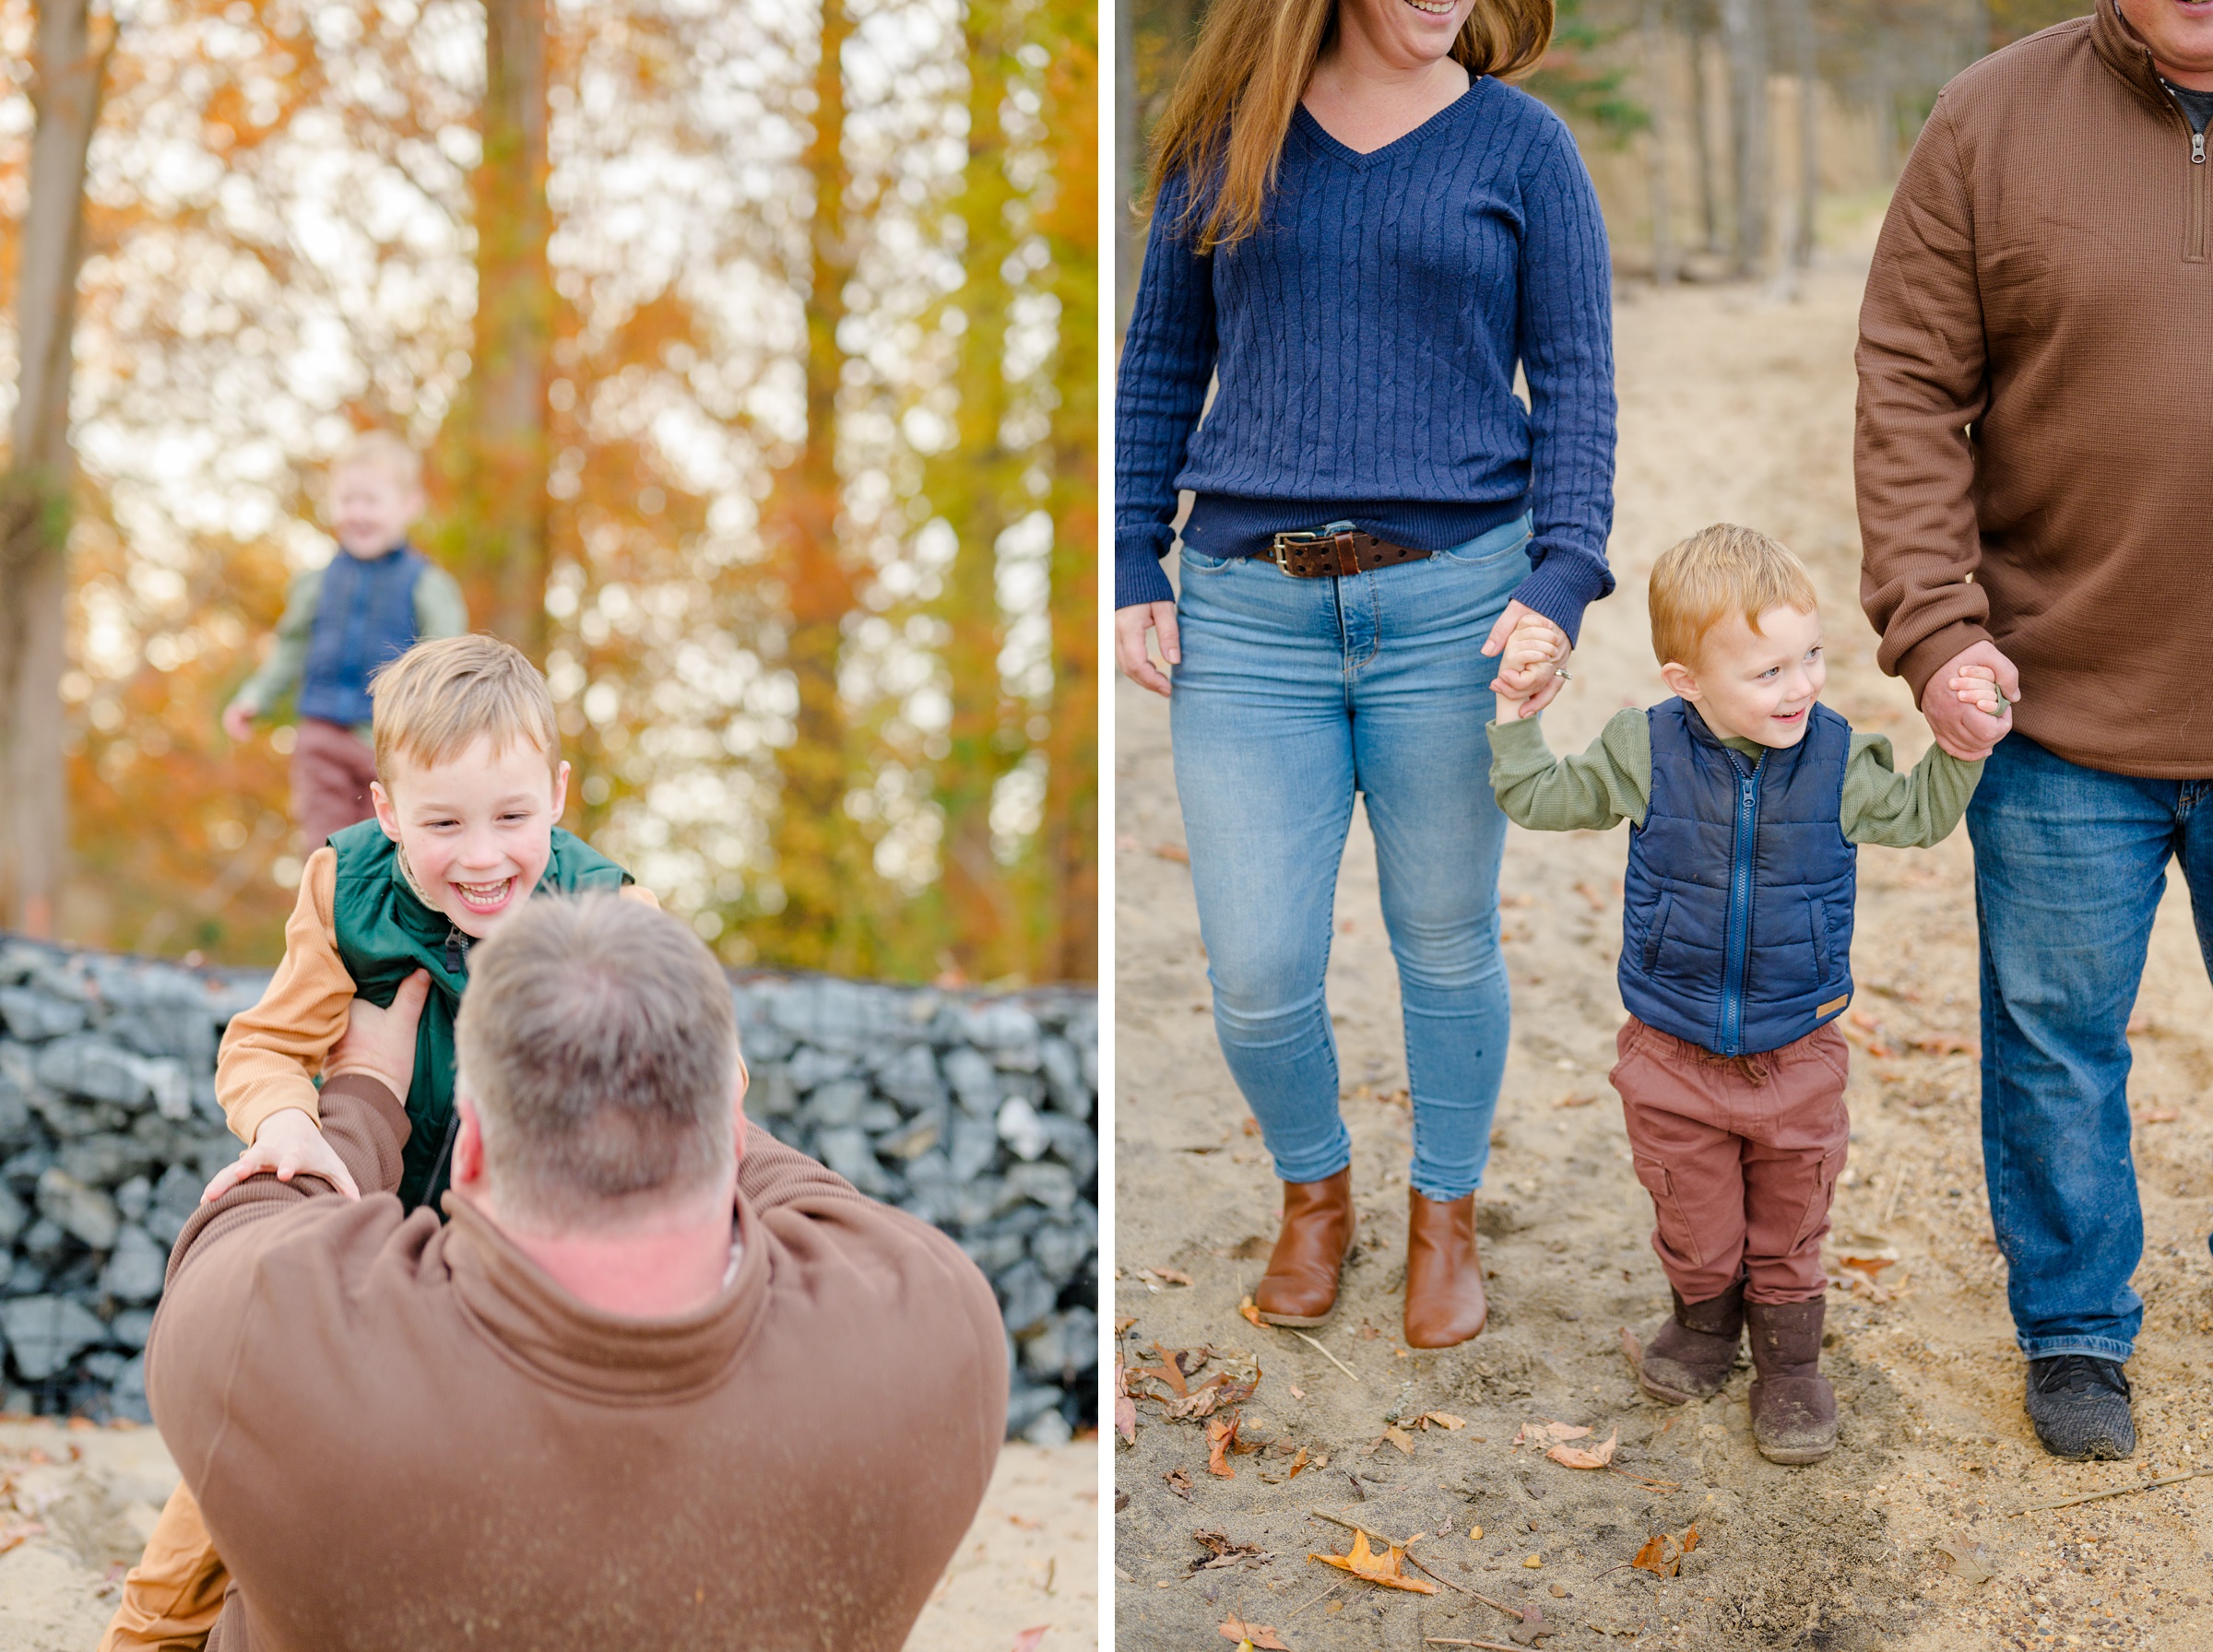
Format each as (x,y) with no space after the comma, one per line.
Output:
(385,934)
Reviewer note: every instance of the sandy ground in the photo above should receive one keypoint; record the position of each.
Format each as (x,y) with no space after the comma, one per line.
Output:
(1740,408)
(75,1506)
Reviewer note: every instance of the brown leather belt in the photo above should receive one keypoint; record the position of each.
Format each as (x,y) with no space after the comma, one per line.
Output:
(1337,556)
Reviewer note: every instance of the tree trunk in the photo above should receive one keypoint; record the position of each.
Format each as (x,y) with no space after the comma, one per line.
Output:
(1809,135)
(976,487)
(1128,152)
(1702,127)
(823,867)
(1069,851)
(1881,94)
(67,78)
(1659,97)
(495,530)
(1744,27)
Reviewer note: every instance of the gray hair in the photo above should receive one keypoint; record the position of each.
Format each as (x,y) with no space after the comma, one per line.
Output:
(599,1046)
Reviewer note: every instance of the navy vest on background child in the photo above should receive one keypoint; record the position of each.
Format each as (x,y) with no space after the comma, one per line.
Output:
(365,619)
(1738,897)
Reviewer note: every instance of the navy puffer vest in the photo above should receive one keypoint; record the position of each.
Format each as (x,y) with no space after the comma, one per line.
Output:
(1736,927)
(364,617)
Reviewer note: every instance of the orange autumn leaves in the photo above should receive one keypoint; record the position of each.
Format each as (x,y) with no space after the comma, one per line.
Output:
(1386,1568)
(1662,1555)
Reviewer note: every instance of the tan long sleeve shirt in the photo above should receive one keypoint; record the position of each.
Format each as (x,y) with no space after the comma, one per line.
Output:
(2033,413)
(406,1436)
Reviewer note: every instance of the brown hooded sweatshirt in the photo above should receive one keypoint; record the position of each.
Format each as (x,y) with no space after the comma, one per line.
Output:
(406,1436)
(2034,417)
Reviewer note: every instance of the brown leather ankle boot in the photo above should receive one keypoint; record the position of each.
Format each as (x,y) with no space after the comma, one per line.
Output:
(1444,1275)
(1301,1286)
(1793,1407)
(1691,1357)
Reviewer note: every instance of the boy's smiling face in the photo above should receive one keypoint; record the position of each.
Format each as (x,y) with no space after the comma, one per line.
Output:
(1757,686)
(371,506)
(477,829)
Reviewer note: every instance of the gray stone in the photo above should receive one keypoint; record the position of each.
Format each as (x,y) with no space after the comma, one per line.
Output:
(1023,1130)
(22,1172)
(880,1118)
(93,1071)
(44,1242)
(25,1278)
(911,1078)
(69,1117)
(833,1014)
(106,1366)
(1008,1031)
(1046,1184)
(1072,1144)
(1027,1406)
(771,1093)
(910,1142)
(994,1253)
(133,1198)
(835,1106)
(128,1395)
(17,1129)
(183,1032)
(974,1081)
(176,1196)
(976,1202)
(133,1273)
(35,1017)
(848,1153)
(1049,1428)
(972,1144)
(1064,1079)
(1065,1348)
(84,1212)
(810,1067)
(44,1333)
(132,1326)
(14,1218)
(105,1161)
(171,1084)
(1061,1250)
(1026,1295)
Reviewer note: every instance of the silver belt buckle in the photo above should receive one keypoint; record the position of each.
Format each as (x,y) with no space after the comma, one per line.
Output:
(1284,542)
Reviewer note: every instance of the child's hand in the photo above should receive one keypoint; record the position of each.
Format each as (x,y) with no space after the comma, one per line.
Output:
(238,720)
(290,1143)
(1978,686)
(1534,650)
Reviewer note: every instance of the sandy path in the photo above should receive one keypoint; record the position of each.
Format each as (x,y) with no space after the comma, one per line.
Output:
(1731,408)
(1029,1561)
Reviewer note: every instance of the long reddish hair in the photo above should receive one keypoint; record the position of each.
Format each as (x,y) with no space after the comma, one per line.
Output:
(1228,118)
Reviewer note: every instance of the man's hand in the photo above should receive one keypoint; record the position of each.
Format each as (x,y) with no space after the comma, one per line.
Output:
(1955,711)
(1534,649)
(290,1143)
(1130,625)
(381,1043)
(238,720)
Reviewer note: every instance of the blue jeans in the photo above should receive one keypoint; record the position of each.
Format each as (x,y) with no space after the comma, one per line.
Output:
(1293,695)
(2070,864)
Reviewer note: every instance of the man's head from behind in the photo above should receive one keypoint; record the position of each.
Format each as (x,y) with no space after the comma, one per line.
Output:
(374,493)
(1737,628)
(599,1077)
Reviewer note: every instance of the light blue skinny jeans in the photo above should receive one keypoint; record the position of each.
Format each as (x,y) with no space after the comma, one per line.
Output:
(1293,695)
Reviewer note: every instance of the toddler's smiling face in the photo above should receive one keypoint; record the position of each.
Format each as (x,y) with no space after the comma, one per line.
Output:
(1758,685)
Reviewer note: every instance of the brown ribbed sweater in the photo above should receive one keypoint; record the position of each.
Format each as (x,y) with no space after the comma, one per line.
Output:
(2033,414)
(405,1436)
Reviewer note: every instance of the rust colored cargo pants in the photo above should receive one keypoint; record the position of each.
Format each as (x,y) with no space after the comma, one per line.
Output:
(1741,1155)
(331,772)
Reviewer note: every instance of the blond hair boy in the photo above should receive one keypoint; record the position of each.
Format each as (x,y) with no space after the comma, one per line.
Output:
(471,784)
(1747,799)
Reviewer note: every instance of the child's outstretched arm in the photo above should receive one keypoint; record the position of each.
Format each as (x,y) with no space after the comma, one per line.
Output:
(1917,809)
(1610,782)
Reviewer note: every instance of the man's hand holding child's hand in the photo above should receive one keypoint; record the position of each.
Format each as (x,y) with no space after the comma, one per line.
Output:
(1977,686)
(379,1043)
(1528,664)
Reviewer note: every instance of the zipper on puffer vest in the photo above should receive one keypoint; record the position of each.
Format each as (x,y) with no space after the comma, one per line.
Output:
(1737,941)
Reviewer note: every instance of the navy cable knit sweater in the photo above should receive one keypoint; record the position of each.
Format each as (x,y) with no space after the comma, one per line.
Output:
(1365,342)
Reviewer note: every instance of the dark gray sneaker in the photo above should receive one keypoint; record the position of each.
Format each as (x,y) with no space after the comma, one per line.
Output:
(2079,1404)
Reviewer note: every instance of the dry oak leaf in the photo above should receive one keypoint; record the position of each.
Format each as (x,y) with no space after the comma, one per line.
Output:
(1445,1419)
(1221,1440)
(1400,1438)
(1251,1313)
(1248,1636)
(1384,1568)
(1170,1276)
(1222,1552)
(1598,1456)
(1179,1482)
(1966,1558)
(1536,1433)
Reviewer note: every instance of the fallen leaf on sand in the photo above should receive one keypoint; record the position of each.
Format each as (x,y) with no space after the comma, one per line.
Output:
(1654,1557)
(1532,1625)
(1122,1322)
(1595,895)
(1179,1482)
(1597,1456)
(1633,1348)
(1400,1438)
(1966,1558)
(1262,1635)
(1581,1098)
(1445,1419)
(1175,852)
(1298,1464)
(1690,1539)
(1298,1392)
(1945,1044)
(1027,1640)
(1538,1432)
(1251,1313)
(1125,1419)
(1221,1440)
(1172,1276)
(2162,1115)
(1384,1568)
(1222,1552)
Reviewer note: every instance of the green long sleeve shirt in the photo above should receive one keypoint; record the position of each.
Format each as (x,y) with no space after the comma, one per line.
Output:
(440,611)
(1613,782)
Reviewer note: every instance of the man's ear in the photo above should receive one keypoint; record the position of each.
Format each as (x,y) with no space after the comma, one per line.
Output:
(737,1088)
(386,816)
(1678,677)
(469,1145)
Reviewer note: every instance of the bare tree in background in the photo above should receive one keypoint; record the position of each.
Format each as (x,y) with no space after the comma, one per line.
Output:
(1810,108)
(1744,29)
(1658,97)
(1701,124)
(68,74)
(1127,151)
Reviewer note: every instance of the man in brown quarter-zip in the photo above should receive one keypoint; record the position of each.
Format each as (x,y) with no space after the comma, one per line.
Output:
(2036,495)
(662,1382)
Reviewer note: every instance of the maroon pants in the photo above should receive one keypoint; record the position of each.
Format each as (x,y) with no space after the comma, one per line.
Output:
(1741,1156)
(331,772)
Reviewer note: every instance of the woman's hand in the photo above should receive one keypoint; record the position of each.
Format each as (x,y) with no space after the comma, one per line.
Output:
(1130,625)
(1534,649)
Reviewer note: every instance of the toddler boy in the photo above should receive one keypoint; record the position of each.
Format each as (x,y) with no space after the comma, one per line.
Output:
(470,782)
(377,598)
(1747,798)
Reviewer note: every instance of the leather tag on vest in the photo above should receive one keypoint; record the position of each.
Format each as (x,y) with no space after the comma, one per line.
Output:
(1833,1006)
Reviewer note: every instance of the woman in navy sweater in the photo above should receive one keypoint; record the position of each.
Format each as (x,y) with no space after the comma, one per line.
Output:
(1359,262)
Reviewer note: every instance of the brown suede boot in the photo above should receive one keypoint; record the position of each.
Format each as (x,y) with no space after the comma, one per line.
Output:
(1301,1286)
(1444,1276)
(1793,1407)
(1691,1357)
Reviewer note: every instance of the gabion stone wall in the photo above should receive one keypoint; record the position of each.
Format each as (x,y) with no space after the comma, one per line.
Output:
(974,1112)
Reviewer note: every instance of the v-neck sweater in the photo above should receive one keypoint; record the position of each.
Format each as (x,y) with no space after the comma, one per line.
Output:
(1366,341)
(406,1435)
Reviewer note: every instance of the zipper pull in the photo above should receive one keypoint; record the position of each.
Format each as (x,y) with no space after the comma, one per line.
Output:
(2197,148)
(457,952)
